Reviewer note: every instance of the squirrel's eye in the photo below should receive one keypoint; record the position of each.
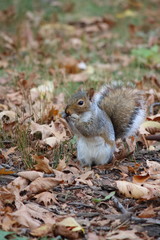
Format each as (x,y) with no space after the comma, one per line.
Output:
(80,102)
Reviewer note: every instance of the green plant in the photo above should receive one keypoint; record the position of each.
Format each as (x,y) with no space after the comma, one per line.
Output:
(23,143)
(147,55)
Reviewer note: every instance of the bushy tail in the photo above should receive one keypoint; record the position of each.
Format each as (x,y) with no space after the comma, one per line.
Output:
(125,108)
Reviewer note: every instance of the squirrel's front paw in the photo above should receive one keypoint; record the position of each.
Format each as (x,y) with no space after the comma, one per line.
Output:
(74,117)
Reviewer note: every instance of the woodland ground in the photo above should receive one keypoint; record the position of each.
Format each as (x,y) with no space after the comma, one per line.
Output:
(48,50)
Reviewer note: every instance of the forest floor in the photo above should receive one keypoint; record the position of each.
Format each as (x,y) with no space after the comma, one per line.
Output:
(48,50)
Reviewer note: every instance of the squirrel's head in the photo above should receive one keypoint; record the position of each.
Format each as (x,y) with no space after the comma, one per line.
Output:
(77,104)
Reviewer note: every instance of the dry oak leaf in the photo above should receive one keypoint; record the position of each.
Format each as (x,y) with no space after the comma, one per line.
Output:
(66,232)
(154,169)
(42,164)
(19,183)
(58,129)
(42,184)
(71,223)
(24,217)
(46,198)
(132,190)
(43,230)
(15,97)
(8,116)
(86,175)
(2,106)
(6,196)
(4,171)
(147,212)
(154,189)
(15,187)
(8,152)
(51,141)
(79,77)
(140,179)
(123,235)
(68,228)
(84,178)
(8,222)
(147,126)
(44,129)
(61,165)
(154,118)
(30,175)
(40,213)
(69,177)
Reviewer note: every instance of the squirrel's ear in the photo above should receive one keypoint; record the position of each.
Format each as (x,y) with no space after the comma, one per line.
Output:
(90,93)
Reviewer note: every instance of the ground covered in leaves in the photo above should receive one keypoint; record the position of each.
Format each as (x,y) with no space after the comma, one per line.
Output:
(49,49)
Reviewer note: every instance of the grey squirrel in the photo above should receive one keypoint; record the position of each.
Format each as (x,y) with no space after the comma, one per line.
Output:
(97,123)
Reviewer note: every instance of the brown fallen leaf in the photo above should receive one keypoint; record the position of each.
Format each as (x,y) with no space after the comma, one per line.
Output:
(132,190)
(51,141)
(15,97)
(154,169)
(6,171)
(147,126)
(147,212)
(42,164)
(65,177)
(66,232)
(93,236)
(41,213)
(153,188)
(46,198)
(70,64)
(71,223)
(42,184)
(6,196)
(86,175)
(61,165)
(7,116)
(3,107)
(43,230)
(154,118)
(9,151)
(30,175)
(140,179)
(8,222)
(44,129)
(15,187)
(79,77)
(24,218)
(123,235)
(3,64)
(69,228)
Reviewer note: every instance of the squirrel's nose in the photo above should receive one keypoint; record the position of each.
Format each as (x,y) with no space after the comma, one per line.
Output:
(66,113)
(63,115)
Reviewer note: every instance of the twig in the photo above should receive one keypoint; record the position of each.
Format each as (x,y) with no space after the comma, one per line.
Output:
(119,205)
(88,215)
(25,118)
(58,189)
(135,219)
(155,137)
(146,220)
(102,228)
(49,175)
(79,204)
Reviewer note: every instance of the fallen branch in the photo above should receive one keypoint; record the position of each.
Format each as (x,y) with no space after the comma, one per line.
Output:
(155,137)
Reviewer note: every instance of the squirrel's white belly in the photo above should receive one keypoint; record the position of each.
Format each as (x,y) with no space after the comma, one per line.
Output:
(93,150)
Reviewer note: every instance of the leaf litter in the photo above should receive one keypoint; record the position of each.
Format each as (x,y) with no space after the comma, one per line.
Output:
(52,195)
